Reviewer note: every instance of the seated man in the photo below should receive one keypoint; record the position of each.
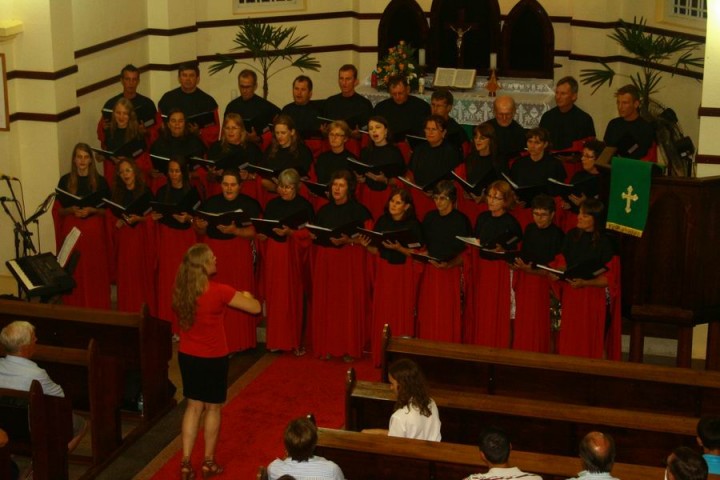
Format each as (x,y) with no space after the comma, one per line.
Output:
(17,371)
(630,133)
(684,463)
(495,450)
(405,113)
(597,454)
(300,441)
(509,134)
(708,437)
(441,103)
(200,109)
(348,105)
(303,110)
(566,122)
(257,112)
(144,107)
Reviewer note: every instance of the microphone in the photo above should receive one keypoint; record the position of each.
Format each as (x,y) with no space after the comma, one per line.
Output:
(8,177)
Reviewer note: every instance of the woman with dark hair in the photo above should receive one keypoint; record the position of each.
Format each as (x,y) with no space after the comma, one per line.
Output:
(416,415)
(487,314)
(480,164)
(233,245)
(439,301)
(340,286)
(175,140)
(125,138)
(201,305)
(589,173)
(92,273)
(284,271)
(286,151)
(174,232)
(397,277)
(331,161)
(374,188)
(431,161)
(134,243)
(584,326)
(233,150)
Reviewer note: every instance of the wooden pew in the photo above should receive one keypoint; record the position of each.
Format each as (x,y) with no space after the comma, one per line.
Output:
(137,341)
(39,426)
(555,378)
(533,425)
(371,457)
(92,383)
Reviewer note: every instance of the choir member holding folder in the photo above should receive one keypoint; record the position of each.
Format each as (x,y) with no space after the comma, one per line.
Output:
(330,161)
(285,275)
(340,298)
(439,309)
(487,314)
(172,212)
(123,139)
(431,161)
(133,239)
(584,325)
(233,151)
(586,184)
(386,161)
(286,151)
(542,241)
(397,277)
(80,194)
(479,169)
(231,240)
(175,139)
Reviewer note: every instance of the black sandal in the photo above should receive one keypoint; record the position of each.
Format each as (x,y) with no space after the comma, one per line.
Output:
(210,468)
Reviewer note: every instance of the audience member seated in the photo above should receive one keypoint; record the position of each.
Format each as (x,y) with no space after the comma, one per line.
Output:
(300,441)
(630,133)
(566,122)
(17,371)
(303,110)
(684,463)
(405,114)
(416,415)
(144,107)
(495,450)
(192,101)
(597,455)
(509,134)
(257,112)
(348,105)
(441,103)
(708,436)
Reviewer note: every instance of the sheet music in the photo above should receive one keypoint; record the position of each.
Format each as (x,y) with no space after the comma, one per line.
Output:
(67,246)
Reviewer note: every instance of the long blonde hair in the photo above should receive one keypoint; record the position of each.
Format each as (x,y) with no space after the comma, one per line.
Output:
(191,281)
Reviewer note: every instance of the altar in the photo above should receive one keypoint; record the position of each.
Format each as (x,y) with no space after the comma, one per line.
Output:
(533,97)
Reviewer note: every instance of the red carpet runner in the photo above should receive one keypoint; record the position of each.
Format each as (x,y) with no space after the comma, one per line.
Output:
(254,420)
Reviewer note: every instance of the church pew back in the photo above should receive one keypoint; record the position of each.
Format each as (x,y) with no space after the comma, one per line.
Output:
(365,457)
(558,378)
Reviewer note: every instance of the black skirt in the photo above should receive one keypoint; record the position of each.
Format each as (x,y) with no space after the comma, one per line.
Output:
(204,379)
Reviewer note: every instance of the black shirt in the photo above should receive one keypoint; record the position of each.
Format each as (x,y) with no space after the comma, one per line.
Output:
(387,224)
(439,233)
(355,109)
(257,111)
(218,204)
(566,127)
(541,245)
(408,117)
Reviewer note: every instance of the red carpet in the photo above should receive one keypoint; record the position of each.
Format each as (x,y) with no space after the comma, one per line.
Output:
(254,420)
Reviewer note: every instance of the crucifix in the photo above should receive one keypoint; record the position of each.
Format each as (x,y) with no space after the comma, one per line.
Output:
(629,197)
(460,28)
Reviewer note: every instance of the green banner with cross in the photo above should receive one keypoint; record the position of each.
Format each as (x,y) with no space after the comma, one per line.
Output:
(629,195)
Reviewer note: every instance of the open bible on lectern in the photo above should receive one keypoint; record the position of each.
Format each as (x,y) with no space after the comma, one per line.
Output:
(454,77)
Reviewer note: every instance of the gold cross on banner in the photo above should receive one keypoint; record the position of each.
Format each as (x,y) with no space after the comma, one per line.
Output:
(629,197)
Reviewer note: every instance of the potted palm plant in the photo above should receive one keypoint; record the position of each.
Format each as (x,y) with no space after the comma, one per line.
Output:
(267,45)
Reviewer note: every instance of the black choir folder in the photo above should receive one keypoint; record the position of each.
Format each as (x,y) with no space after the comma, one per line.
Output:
(323,234)
(390,170)
(526,193)
(427,187)
(319,189)
(423,257)
(201,119)
(480,185)
(586,270)
(265,226)
(68,199)
(186,204)
(404,237)
(239,217)
(140,206)
(588,187)
(487,250)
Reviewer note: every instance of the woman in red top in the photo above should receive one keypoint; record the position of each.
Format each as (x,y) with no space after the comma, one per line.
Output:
(200,305)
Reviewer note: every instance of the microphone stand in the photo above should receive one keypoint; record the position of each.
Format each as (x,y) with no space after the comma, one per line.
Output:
(20,226)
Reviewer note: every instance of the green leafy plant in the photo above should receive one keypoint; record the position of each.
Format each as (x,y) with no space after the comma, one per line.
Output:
(651,50)
(267,44)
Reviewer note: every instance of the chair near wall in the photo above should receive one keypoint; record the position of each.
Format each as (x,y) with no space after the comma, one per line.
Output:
(529,42)
(402,20)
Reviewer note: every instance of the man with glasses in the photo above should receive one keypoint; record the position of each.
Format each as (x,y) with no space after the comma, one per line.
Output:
(256,112)
(509,134)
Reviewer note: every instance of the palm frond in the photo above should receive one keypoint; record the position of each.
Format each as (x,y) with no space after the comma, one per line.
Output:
(597,77)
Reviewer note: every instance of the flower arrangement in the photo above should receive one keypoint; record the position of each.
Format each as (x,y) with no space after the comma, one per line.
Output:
(400,60)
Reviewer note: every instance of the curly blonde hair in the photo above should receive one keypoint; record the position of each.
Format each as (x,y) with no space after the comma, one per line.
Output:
(191,281)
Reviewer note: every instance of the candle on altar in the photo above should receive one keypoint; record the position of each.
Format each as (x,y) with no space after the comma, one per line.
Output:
(493,61)
(421,56)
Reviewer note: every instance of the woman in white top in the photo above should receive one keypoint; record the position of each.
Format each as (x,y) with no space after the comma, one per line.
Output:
(416,415)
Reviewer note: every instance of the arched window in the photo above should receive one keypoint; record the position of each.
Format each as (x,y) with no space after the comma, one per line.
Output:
(402,20)
(529,42)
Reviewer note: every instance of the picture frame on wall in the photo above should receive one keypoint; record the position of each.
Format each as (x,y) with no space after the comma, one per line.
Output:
(261,6)
(4,111)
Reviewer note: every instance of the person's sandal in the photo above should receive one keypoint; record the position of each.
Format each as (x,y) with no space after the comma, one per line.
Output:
(210,468)
(186,470)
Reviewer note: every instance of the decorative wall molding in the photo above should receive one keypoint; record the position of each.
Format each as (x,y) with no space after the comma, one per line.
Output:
(45,117)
